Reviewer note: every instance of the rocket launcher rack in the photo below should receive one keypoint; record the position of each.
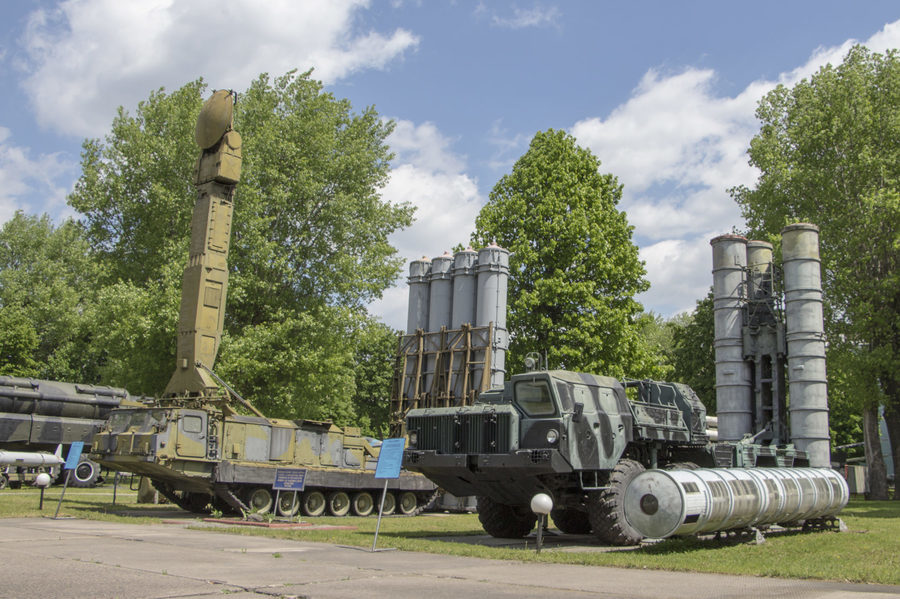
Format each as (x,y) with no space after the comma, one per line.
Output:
(462,369)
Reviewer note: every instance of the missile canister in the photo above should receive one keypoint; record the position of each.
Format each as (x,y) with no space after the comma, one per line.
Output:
(663,503)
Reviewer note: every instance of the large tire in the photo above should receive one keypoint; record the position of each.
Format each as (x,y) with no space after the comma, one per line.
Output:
(606,509)
(85,474)
(338,503)
(362,503)
(288,504)
(4,480)
(505,521)
(313,503)
(407,503)
(571,522)
(259,500)
(390,504)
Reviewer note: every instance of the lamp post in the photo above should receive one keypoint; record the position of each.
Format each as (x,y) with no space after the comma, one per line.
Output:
(541,504)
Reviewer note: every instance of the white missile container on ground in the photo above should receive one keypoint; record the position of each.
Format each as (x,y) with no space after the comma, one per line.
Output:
(663,503)
(31,459)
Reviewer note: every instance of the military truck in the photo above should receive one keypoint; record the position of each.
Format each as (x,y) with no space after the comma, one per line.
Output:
(194,443)
(580,438)
(40,415)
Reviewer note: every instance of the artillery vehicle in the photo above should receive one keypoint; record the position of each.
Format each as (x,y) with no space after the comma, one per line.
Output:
(193,443)
(39,415)
(583,438)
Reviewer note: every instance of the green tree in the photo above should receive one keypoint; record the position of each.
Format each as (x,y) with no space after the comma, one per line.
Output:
(694,355)
(309,241)
(828,152)
(47,277)
(574,269)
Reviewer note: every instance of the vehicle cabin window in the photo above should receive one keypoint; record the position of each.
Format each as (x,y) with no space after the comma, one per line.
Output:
(583,396)
(533,398)
(118,422)
(192,424)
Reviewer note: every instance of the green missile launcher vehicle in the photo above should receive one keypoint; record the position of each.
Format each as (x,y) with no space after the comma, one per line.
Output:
(193,443)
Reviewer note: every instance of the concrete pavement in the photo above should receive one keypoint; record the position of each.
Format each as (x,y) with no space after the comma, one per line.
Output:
(63,559)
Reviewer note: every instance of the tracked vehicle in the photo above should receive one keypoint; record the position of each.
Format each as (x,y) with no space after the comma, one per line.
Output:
(194,443)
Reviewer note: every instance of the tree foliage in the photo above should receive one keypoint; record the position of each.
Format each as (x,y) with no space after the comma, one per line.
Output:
(574,270)
(309,250)
(828,152)
(693,355)
(47,279)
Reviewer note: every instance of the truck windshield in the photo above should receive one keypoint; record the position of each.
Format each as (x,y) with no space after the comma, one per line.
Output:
(533,398)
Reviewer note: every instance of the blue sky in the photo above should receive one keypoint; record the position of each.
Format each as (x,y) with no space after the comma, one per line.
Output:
(662,92)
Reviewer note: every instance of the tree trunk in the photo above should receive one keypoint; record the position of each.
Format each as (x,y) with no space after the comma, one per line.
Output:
(875,471)
(892,419)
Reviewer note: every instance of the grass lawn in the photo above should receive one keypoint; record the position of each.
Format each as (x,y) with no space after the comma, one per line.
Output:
(869,552)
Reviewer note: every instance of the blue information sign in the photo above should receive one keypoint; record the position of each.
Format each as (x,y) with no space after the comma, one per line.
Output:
(289,479)
(390,459)
(74,455)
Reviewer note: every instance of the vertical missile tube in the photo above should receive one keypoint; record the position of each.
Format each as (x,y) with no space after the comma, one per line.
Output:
(462,313)
(416,320)
(734,401)
(440,300)
(417,312)
(806,342)
(493,280)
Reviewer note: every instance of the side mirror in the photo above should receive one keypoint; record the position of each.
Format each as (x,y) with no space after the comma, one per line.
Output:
(577,412)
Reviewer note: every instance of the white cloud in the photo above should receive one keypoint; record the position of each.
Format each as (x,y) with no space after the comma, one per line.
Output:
(677,146)
(23,177)
(430,176)
(521,18)
(87,57)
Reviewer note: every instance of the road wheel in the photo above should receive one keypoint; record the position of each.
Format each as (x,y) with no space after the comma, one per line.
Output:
(363,504)
(390,504)
(288,504)
(259,500)
(505,521)
(571,522)
(85,474)
(338,503)
(407,503)
(606,509)
(313,503)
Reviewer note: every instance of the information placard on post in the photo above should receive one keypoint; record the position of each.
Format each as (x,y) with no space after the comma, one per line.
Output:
(289,479)
(72,459)
(390,459)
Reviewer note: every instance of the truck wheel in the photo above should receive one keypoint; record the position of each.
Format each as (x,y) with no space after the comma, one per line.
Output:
(571,522)
(407,503)
(505,521)
(4,480)
(85,474)
(259,500)
(362,504)
(338,503)
(606,509)
(288,504)
(313,503)
(390,504)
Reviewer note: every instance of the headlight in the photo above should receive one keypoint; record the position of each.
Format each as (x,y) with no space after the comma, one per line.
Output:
(413,438)
(552,436)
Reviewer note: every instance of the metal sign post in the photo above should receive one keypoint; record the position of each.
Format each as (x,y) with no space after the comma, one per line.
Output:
(390,458)
(289,479)
(71,463)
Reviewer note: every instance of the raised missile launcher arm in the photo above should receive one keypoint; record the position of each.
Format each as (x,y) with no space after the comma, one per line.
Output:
(205,282)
